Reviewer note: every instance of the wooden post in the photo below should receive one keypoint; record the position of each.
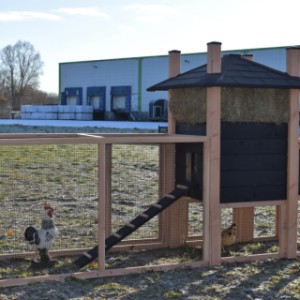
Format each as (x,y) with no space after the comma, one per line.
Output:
(101,205)
(205,196)
(213,128)
(293,68)
(173,234)
(244,219)
(174,70)
(108,207)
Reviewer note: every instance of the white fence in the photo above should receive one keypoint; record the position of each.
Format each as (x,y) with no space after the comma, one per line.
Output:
(56,112)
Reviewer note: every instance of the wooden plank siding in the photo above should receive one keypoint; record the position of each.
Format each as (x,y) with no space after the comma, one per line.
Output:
(253,162)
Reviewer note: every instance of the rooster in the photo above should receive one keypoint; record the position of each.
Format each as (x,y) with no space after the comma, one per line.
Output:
(229,236)
(43,238)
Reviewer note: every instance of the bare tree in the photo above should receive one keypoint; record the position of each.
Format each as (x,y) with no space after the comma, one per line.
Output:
(21,67)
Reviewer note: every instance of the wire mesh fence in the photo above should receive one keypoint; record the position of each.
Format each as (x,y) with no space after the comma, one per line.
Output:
(63,175)
(67,177)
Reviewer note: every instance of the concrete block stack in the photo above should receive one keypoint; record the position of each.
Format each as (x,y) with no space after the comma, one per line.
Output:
(57,112)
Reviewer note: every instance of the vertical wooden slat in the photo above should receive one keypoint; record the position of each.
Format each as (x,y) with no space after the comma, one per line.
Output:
(174,210)
(108,207)
(173,213)
(293,68)
(164,216)
(101,205)
(174,70)
(244,219)
(213,127)
(205,201)
(214,57)
(281,215)
(214,131)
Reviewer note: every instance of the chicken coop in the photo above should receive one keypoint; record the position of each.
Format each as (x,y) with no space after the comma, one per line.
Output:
(250,113)
(131,203)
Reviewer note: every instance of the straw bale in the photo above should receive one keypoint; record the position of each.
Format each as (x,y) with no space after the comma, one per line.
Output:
(255,105)
(188,105)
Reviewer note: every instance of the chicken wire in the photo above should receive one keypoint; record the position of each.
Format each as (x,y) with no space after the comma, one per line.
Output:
(195,219)
(63,175)
(66,177)
(134,187)
(256,230)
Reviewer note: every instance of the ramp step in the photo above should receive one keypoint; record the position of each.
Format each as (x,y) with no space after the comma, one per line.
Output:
(182,187)
(130,225)
(118,236)
(128,228)
(170,196)
(145,216)
(157,206)
(87,255)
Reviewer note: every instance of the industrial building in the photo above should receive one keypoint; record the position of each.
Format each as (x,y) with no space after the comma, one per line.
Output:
(116,88)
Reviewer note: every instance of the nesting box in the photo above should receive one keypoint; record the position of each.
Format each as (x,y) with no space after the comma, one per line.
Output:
(254,135)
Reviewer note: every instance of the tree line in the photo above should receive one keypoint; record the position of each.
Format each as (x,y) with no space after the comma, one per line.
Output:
(20,70)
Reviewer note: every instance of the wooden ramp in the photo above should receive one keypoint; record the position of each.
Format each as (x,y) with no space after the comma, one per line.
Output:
(136,223)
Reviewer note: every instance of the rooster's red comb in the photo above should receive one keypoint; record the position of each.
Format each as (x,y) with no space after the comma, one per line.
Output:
(47,206)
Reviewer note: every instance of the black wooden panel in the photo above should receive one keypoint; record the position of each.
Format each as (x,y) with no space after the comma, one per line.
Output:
(251,146)
(244,194)
(261,131)
(252,178)
(196,149)
(253,162)
(184,128)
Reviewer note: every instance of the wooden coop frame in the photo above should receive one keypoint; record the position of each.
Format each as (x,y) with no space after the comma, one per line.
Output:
(286,227)
(166,177)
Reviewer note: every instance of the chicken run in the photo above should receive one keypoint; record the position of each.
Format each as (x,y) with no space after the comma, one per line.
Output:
(98,205)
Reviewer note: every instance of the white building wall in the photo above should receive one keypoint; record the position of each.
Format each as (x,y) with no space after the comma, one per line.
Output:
(106,73)
(125,72)
(154,70)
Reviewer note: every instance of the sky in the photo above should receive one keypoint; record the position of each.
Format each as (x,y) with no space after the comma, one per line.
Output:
(82,30)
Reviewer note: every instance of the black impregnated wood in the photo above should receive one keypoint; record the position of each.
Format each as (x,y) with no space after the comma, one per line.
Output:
(196,149)
(254,193)
(185,128)
(253,161)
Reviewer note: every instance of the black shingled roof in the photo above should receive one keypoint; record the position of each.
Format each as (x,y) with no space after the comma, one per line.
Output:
(236,71)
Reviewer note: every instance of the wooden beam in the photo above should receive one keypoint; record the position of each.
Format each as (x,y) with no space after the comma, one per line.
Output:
(95,139)
(102,177)
(214,132)
(206,203)
(293,68)
(244,219)
(213,128)
(108,207)
(253,203)
(214,57)
(174,70)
